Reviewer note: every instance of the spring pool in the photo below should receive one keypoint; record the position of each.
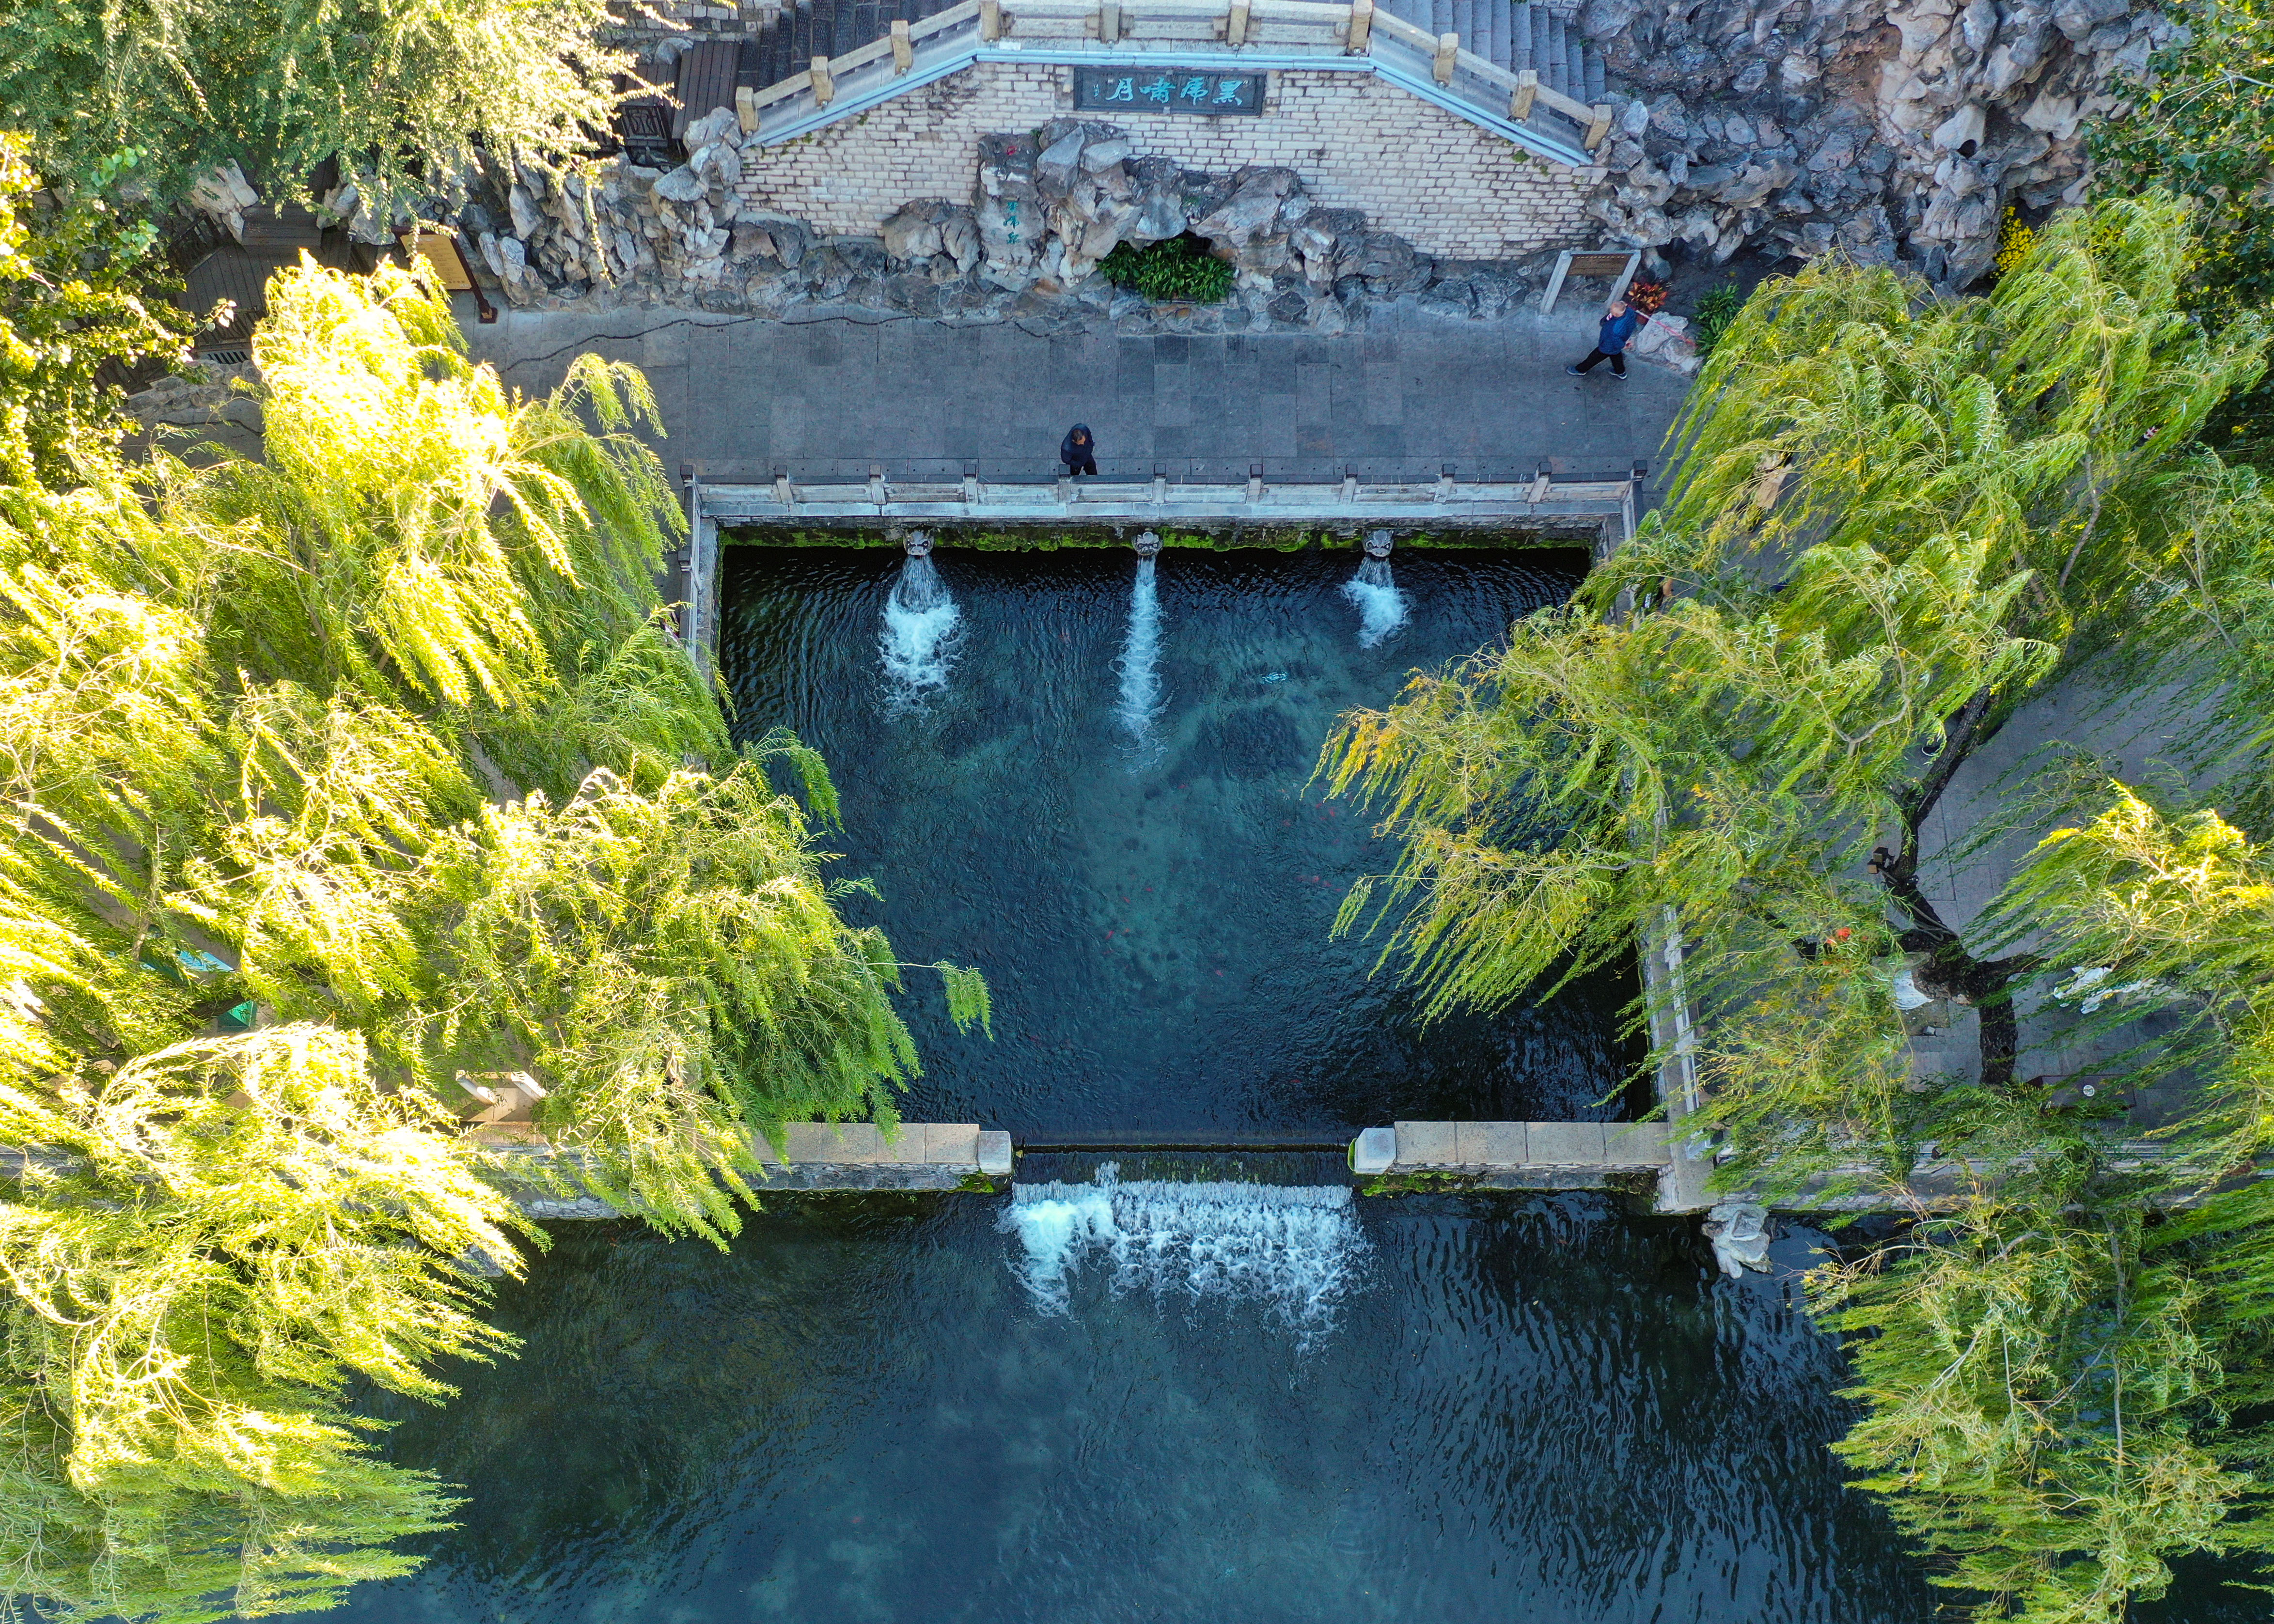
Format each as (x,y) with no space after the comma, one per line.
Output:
(1105,804)
(1162,1389)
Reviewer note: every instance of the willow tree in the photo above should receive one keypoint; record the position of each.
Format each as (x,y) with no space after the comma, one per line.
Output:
(2020,449)
(205,1251)
(382,746)
(71,308)
(2062,1387)
(1718,740)
(395,89)
(1730,759)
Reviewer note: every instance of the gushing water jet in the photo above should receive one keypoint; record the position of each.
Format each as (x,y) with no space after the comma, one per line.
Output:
(1140,649)
(1381,606)
(921,625)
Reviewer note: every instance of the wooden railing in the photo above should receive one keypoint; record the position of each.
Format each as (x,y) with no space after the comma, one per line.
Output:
(1355,36)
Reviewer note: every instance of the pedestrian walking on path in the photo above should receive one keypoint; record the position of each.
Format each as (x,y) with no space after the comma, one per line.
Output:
(1078,452)
(1619,325)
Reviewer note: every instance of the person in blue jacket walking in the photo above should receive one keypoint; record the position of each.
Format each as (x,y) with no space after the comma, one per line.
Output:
(1619,325)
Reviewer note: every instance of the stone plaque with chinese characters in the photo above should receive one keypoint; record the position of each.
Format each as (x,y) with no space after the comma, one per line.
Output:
(1166,90)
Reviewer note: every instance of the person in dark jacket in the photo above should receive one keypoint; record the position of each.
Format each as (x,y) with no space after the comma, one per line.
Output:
(1619,325)
(1078,452)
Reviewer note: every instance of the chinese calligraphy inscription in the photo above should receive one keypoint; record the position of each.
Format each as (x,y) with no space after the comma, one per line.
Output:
(1166,90)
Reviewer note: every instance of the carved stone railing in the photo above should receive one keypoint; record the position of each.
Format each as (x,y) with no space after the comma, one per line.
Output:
(1251,35)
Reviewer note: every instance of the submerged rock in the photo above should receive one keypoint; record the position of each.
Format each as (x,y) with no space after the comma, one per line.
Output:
(1739,1231)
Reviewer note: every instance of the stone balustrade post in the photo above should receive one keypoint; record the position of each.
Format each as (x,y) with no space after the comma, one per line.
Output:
(1361,27)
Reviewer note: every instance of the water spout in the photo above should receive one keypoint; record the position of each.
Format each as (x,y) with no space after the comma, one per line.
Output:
(1297,1249)
(1141,681)
(921,625)
(1381,606)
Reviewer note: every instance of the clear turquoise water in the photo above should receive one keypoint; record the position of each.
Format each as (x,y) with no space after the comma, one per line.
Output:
(1418,1409)
(1526,1409)
(1154,913)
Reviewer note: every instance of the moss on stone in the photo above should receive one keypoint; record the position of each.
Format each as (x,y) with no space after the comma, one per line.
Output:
(1259,538)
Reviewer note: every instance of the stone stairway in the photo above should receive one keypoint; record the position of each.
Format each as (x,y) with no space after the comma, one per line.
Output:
(1515,35)
(1512,33)
(790,41)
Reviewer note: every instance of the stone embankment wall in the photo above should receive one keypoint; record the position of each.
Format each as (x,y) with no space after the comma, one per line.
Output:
(1446,186)
(1892,131)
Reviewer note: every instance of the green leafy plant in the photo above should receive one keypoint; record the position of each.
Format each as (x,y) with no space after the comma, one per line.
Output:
(2199,123)
(78,301)
(1716,310)
(1890,518)
(1176,270)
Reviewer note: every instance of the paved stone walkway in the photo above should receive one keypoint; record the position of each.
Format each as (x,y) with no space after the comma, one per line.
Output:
(831,397)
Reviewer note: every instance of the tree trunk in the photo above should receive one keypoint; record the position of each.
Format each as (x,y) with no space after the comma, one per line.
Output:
(1986,984)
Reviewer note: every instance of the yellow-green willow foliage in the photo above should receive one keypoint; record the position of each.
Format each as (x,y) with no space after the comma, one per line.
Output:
(2052,1378)
(1891,515)
(1731,757)
(206,1247)
(380,744)
(1890,512)
(2064,1377)
(2172,914)
(398,90)
(1843,406)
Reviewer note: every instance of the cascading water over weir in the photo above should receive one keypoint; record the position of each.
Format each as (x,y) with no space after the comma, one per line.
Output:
(1140,649)
(921,623)
(1296,1249)
(1381,606)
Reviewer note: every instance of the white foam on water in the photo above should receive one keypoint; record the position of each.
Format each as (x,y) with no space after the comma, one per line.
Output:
(921,627)
(1141,652)
(1296,1249)
(1381,606)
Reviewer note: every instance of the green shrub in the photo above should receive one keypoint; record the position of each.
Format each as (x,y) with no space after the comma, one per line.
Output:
(1715,312)
(1176,269)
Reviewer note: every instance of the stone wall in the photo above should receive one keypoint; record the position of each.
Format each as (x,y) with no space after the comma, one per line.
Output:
(1888,130)
(1446,186)
(1030,217)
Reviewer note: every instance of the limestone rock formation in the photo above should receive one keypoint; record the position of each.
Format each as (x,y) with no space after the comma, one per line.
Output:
(1046,209)
(1739,1234)
(1891,129)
